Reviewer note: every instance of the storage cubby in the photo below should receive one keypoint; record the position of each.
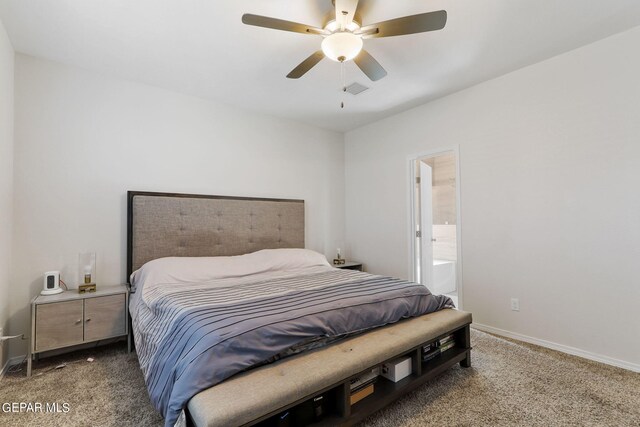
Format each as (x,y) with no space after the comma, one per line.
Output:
(337,408)
(320,409)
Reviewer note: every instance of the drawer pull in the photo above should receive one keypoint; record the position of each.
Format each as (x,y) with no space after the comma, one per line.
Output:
(78,321)
(88,319)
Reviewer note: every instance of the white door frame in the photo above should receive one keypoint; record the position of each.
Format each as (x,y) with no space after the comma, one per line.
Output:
(411,171)
(426,217)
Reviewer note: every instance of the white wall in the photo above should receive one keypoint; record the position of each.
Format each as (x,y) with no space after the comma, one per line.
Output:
(6,178)
(550,210)
(82,140)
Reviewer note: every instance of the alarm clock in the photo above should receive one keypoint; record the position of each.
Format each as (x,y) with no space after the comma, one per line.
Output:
(51,283)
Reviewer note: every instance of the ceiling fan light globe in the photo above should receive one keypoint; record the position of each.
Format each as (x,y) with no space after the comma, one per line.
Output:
(342,46)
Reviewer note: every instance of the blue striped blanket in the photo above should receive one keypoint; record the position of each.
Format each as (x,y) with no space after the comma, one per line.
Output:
(192,336)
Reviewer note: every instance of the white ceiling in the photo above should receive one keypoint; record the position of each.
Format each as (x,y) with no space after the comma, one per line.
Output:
(200,47)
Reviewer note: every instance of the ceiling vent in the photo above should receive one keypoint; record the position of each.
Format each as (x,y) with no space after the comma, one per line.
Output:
(356,88)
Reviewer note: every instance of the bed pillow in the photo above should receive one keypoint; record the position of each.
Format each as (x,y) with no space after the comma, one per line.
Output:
(203,269)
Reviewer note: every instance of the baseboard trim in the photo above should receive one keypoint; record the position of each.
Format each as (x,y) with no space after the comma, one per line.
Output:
(11,362)
(559,347)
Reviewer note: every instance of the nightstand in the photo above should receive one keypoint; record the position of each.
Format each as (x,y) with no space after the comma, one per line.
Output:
(71,318)
(350,265)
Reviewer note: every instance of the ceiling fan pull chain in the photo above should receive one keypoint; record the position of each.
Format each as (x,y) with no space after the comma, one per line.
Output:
(344,85)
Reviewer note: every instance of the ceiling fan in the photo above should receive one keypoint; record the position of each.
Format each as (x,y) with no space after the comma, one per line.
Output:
(344,36)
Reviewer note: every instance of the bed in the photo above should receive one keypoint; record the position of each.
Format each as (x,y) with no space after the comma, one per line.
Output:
(226,298)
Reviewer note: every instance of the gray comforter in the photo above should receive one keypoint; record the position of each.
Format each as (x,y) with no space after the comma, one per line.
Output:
(191,337)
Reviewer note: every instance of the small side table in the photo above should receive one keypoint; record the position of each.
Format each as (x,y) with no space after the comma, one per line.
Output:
(350,265)
(71,318)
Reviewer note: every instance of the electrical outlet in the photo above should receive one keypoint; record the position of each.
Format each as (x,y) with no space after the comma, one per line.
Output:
(515,304)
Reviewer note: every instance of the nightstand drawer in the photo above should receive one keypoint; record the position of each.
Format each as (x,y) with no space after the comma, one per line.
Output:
(105,317)
(58,324)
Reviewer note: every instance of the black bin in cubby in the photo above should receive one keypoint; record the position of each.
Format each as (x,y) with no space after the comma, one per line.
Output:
(308,412)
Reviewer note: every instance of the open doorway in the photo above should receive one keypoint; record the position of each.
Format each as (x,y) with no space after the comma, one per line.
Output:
(435,218)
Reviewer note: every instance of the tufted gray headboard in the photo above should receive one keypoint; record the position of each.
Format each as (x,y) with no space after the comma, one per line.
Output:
(164,224)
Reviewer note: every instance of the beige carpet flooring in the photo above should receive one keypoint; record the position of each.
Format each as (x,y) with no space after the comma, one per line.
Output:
(510,384)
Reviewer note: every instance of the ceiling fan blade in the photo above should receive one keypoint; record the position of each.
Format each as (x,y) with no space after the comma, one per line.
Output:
(430,21)
(306,65)
(345,12)
(369,66)
(279,24)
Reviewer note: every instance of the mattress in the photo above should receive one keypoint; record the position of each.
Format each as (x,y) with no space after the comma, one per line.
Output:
(197,322)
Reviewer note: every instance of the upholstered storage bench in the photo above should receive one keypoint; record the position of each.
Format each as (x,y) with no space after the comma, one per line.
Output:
(259,396)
